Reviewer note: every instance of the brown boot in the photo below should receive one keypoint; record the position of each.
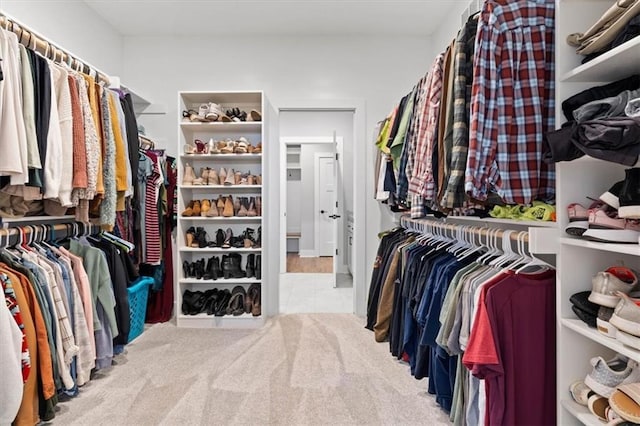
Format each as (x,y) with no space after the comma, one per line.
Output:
(205,208)
(220,204)
(251,210)
(243,212)
(196,208)
(189,175)
(189,210)
(228,207)
(259,206)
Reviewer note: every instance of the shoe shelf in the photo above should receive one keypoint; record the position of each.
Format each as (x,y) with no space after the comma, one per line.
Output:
(206,157)
(220,281)
(219,250)
(613,65)
(581,413)
(218,127)
(223,187)
(592,334)
(228,321)
(631,249)
(221,219)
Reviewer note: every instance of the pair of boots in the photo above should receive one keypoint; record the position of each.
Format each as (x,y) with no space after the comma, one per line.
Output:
(198,270)
(232,266)
(254,266)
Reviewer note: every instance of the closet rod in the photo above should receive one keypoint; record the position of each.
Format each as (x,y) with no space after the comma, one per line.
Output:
(422,225)
(11,236)
(32,40)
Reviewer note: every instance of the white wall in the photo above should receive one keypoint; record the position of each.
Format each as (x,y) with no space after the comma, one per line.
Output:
(378,70)
(449,27)
(73,26)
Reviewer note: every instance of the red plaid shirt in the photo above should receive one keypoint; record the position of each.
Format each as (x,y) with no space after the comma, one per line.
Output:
(512,102)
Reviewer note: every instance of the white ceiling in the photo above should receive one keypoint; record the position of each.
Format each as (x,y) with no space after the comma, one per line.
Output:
(272,17)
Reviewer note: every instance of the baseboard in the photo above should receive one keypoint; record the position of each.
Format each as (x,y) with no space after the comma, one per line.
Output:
(308,253)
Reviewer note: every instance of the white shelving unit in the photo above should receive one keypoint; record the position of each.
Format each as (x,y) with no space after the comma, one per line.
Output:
(254,132)
(578,260)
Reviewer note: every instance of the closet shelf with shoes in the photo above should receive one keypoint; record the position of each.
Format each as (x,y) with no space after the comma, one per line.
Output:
(220,209)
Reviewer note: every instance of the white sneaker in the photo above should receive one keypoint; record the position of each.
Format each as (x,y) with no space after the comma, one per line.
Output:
(606,376)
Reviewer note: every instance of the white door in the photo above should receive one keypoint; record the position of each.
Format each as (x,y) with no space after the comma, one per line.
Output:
(326,207)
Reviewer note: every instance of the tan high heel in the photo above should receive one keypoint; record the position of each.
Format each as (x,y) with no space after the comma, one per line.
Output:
(213,211)
(230,180)
(189,210)
(196,208)
(222,176)
(220,204)
(228,207)
(205,207)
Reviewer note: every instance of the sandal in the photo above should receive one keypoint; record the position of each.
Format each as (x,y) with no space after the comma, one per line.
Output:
(212,147)
(228,148)
(191,116)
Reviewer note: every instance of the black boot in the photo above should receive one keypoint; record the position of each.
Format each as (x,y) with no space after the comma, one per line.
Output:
(201,236)
(258,270)
(219,238)
(216,272)
(208,273)
(192,269)
(259,240)
(222,302)
(250,268)
(185,269)
(199,269)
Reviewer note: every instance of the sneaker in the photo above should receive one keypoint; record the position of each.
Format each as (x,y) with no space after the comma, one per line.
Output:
(606,376)
(630,195)
(610,197)
(606,285)
(579,217)
(626,316)
(580,392)
(607,229)
(603,322)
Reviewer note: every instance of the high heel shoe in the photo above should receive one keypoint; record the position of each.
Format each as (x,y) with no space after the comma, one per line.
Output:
(185,269)
(251,210)
(196,208)
(230,179)
(236,205)
(242,211)
(188,212)
(237,177)
(205,208)
(227,238)
(212,147)
(222,176)
(204,175)
(201,237)
(220,204)
(213,177)
(190,237)
(248,239)
(213,210)
(250,268)
(228,207)
(259,206)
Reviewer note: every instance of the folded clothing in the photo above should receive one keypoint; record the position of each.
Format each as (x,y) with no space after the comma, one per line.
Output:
(615,139)
(598,92)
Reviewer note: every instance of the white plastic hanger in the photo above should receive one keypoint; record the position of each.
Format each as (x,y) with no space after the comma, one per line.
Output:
(534,262)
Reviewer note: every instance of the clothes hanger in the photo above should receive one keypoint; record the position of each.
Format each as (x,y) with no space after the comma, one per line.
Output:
(534,262)
(509,255)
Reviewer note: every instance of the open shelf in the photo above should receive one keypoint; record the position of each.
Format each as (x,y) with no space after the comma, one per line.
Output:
(220,281)
(631,249)
(221,219)
(219,187)
(581,413)
(219,127)
(234,157)
(510,222)
(228,321)
(219,250)
(613,65)
(591,333)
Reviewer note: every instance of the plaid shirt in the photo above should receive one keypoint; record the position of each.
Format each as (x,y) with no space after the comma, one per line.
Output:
(421,184)
(512,102)
(408,150)
(463,69)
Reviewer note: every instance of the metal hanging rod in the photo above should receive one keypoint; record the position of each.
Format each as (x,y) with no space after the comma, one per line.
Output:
(428,225)
(46,232)
(32,40)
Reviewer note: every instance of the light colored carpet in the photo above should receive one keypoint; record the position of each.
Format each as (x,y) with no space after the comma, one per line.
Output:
(303,369)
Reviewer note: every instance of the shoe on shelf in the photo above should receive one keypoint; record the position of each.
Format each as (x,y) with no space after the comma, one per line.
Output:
(222,302)
(236,205)
(213,111)
(255,115)
(196,208)
(242,211)
(625,402)
(220,204)
(629,196)
(237,177)
(204,175)
(192,116)
(259,206)
(228,207)
(607,284)
(189,175)
(258,265)
(228,235)
(580,392)
(254,295)
(598,406)
(212,147)
(579,217)
(213,179)
(626,316)
(607,227)
(188,212)
(212,298)
(584,309)
(603,322)
(213,209)
(251,209)
(190,238)
(237,301)
(230,178)
(222,176)
(610,197)
(205,208)
(250,267)
(606,376)
(220,237)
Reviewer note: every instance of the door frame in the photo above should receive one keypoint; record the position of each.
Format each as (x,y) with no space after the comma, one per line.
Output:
(358,107)
(284,143)
(339,259)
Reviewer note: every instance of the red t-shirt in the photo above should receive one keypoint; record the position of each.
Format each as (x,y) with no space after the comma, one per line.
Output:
(512,347)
